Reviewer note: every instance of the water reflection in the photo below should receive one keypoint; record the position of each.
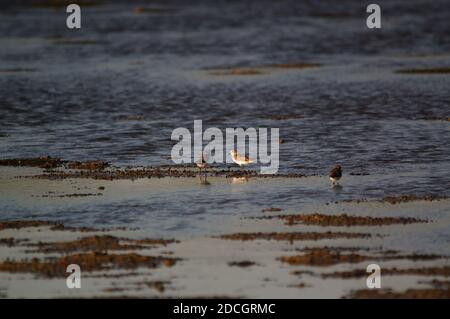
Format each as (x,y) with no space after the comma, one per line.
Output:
(239,180)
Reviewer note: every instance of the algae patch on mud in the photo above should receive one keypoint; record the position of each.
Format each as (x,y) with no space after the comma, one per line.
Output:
(397,199)
(260,70)
(99,244)
(91,261)
(55,4)
(89,165)
(424,271)
(155,10)
(343,220)
(237,71)
(441,70)
(425,293)
(293,236)
(91,253)
(242,264)
(328,257)
(42,162)
(48,162)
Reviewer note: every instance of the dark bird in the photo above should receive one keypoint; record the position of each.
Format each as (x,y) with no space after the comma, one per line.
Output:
(335,174)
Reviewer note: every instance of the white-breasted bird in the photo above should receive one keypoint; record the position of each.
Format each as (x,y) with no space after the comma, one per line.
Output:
(240,160)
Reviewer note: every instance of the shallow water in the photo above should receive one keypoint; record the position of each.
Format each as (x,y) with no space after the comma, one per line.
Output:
(116,89)
(152,68)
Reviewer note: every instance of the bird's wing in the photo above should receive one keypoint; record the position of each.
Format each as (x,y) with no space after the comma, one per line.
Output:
(247,159)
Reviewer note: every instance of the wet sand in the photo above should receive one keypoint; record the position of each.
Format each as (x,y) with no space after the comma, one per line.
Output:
(256,253)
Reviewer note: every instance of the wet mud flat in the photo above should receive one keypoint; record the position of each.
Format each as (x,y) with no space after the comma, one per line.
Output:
(57,168)
(293,252)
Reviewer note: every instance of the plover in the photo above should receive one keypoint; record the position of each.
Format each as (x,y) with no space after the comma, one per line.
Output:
(201,163)
(335,174)
(240,160)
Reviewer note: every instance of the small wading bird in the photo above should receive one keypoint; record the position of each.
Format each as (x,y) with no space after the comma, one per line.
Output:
(240,160)
(335,175)
(201,163)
